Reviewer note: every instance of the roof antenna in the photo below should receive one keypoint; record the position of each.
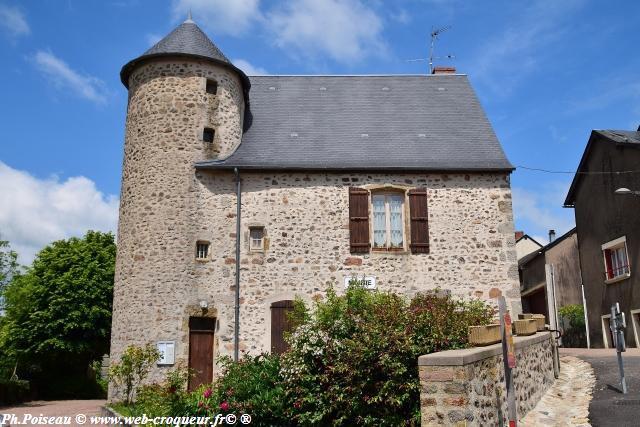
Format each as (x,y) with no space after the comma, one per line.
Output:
(189,17)
(434,36)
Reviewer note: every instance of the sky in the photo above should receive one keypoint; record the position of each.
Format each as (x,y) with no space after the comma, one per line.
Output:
(547,72)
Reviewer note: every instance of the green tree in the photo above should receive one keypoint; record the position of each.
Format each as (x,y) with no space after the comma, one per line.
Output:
(8,267)
(58,313)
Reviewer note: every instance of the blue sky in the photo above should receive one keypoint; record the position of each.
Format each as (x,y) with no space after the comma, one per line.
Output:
(546,72)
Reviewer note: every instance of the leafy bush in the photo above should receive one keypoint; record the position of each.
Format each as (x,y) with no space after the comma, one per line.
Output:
(573,335)
(133,368)
(252,386)
(13,391)
(354,359)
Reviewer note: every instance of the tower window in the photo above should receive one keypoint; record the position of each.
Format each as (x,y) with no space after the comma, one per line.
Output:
(208,134)
(202,250)
(212,87)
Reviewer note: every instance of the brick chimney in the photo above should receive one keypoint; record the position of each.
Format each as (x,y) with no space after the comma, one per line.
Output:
(519,234)
(444,70)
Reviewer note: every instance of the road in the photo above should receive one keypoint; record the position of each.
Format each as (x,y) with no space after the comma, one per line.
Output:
(609,407)
(58,408)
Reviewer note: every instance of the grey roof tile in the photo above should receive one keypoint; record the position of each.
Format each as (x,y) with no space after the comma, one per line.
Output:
(396,122)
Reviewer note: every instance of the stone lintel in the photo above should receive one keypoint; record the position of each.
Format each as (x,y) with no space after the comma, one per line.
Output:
(470,355)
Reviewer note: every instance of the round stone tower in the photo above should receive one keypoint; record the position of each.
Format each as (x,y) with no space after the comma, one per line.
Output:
(186,104)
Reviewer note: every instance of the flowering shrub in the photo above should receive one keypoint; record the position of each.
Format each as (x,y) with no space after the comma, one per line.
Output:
(132,368)
(354,360)
(251,386)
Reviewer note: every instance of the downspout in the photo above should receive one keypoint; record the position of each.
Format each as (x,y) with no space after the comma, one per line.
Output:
(236,332)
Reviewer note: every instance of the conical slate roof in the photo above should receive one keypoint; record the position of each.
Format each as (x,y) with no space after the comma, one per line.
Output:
(185,40)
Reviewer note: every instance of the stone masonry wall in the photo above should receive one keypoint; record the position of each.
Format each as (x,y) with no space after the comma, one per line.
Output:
(155,271)
(466,387)
(306,223)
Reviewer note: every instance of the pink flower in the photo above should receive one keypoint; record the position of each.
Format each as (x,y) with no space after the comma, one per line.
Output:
(200,404)
(224,406)
(207,393)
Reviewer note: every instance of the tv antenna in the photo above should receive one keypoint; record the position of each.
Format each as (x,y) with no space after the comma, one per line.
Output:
(435,32)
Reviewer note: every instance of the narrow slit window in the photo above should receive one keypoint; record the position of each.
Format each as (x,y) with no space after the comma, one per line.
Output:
(212,87)
(202,250)
(208,134)
(256,239)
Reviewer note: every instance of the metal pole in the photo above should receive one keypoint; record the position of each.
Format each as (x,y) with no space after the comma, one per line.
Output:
(623,381)
(236,334)
(586,317)
(508,377)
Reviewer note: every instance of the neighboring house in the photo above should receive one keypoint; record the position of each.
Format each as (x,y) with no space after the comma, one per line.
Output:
(241,194)
(608,227)
(525,244)
(550,277)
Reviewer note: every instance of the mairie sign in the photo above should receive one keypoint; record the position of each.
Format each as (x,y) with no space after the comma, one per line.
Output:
(367,282)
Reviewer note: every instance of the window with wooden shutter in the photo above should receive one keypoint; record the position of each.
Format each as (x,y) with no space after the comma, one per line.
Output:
(359,220)
(419,221)
(280,324)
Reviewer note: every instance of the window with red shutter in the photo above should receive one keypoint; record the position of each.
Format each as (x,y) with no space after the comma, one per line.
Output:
(419,221)
(359,220)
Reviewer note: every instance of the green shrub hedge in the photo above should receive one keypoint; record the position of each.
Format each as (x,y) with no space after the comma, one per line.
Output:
(13,391)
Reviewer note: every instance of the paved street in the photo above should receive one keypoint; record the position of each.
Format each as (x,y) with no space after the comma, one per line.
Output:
(57,408)
(609,407)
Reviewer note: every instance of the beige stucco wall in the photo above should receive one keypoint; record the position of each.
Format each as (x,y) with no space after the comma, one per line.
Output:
(525,246)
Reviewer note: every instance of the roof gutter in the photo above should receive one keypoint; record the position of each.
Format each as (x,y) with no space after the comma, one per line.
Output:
(236,327)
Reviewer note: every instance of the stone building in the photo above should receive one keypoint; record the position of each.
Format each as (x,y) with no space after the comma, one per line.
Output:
(240,194)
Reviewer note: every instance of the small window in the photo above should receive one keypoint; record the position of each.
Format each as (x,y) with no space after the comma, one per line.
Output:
(212,87)
(208,134)
(202,250)
(616,260)
(388,221)
(256,238)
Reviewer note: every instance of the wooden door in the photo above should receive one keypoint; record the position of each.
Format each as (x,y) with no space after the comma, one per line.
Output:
(280,324)
(201,332)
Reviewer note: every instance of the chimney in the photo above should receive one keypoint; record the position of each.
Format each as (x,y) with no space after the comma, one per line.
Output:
(519,235)
(552,236)
(443,70)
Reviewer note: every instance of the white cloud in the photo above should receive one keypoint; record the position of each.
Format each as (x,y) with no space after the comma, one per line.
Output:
(232,17)
(35,212)
(248,68)
(536,212)
(12,20)
(508,57)
(346,30)
(64,77)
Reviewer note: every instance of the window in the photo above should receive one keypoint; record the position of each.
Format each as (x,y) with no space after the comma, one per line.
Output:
(208,134)
(256,238)
(202,250)
(212,87)
(388,221)
(616,260)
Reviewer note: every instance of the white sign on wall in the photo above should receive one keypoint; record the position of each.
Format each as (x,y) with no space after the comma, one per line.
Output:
(167,350)
(368,282)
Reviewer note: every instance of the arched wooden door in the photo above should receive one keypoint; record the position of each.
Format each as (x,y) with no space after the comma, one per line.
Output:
(280,324)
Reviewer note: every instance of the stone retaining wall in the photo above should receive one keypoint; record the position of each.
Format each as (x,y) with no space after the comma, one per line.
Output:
(466,387)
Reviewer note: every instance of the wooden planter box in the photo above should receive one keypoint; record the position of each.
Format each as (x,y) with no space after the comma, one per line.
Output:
(525,327)
(540,321)
(484,335)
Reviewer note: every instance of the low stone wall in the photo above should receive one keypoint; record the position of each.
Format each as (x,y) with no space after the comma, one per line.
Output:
(466,387)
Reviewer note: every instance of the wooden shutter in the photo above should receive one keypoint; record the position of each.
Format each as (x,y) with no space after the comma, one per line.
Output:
(419,221)
(359,220)
(280,324)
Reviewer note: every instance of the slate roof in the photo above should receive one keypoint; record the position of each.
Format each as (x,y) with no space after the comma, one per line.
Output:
(185,40)
(606,136)
(393,122)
